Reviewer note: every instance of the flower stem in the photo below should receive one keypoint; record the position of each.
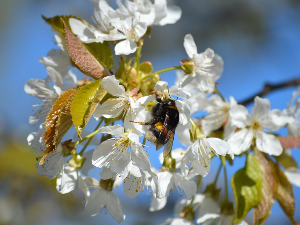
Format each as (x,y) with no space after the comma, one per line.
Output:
(218,172)
(219,93)
(91,135)
(198,183)
(138,56)
(161,71)
(225,177)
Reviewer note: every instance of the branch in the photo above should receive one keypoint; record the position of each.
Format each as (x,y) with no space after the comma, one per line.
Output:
(271,87)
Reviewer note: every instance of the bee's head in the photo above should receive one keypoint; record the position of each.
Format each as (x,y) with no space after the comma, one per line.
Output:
(169,102)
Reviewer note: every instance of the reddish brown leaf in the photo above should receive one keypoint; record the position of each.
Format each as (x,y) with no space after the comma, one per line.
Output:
(269,188)
(284,195)
(290,142)
(82,58)
(58,122)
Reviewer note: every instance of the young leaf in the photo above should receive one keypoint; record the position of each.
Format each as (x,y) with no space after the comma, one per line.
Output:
(84,104)
(56,22)
(289,142)
(284,195)
(269,187)
(286,160)
(247,184)
(102,52)
(58,122)
(82,58)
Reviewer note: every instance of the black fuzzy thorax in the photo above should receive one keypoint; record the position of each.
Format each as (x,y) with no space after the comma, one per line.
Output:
(160,111)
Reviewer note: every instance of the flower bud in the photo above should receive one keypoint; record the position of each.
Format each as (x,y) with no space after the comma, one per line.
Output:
(146,67)
(77,161)
(188,66)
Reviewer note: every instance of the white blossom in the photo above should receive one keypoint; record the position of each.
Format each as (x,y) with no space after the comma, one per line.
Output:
(105,197)
(253,127)
(69,179)
(53,164)
(115,153)
(218,115)
(41,89)
(208,65)
(198,156)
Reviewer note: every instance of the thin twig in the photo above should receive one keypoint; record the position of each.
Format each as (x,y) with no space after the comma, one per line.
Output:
(271,87)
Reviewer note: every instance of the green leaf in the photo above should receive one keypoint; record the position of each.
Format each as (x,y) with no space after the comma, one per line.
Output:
(247,184)
(56,23)
(102,52)
(270,184)
(84,104)
(286,160)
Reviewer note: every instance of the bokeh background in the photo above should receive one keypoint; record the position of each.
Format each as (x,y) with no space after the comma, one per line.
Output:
(258,40)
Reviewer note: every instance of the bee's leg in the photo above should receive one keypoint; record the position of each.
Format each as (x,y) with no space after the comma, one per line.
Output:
(141,123)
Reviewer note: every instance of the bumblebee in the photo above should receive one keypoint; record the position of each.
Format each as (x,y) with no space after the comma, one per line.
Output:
(165,118)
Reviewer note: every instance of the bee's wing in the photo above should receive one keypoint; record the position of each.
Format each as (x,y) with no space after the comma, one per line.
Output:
(168,147)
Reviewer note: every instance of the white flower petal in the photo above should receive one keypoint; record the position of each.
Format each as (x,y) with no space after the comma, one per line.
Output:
(119,165)
(218,67)
(134,138)
(81,30)
(196,102)
(157,204)
(66,180)
(106,173)
(220,147)
(140,29)
(112,86)
(188,186)
(55,76)
(96,201)
(141,158)
(114,207)
(173,15)
(100,154)
(293,175)
(268,143)
(240,141)
(179,92)
(261,108)
(165,182)
(189,45)
(208,209)
(125,47)
(143,115)
(229,129)
(145,100)
(132,186)
(184,112)
(117,130)
(160,85)
(109,109)
(82,185)
(183,134)
(239,115)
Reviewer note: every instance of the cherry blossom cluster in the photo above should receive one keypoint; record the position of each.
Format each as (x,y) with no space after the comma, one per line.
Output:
(119,149)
